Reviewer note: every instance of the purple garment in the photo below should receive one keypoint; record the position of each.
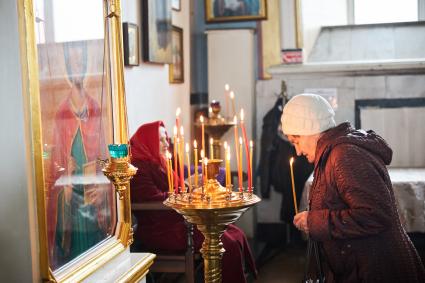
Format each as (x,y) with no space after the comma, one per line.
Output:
(221,178)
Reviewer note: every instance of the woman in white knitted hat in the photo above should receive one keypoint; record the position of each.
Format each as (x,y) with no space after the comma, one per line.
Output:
(352,211)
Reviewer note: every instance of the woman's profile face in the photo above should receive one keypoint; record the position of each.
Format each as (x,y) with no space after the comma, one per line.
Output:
(163,143)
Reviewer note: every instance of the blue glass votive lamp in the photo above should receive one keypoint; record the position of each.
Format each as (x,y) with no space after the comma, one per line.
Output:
(118,150)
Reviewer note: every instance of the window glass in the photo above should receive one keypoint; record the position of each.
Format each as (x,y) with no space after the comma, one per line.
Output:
(76,122)
(385,11)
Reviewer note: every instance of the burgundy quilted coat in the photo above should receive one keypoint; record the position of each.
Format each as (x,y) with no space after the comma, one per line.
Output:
(353,211)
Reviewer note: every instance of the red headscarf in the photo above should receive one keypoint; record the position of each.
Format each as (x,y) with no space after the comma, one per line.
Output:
(145,143)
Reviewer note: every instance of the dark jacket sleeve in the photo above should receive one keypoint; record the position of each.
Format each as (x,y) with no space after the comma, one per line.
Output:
(361,187)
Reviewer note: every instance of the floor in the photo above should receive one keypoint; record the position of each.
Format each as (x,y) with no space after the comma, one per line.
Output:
(284,263)
(286,266)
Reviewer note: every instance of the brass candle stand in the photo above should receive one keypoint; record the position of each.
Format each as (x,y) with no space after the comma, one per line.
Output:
(212,208)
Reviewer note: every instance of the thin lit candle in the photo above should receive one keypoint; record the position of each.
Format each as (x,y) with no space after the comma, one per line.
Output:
(240,165)
(251,151)
(228,181)
(181,159)
(195,153)
(170,188)
(188,167)
(235,121)
(225,155)
(202,166)
(201,119)
(175,149)
(178,111)
(171,171)
(211,148)
(291,161)
(206,169)
(210,112)
(177,155)
(246,151)
(232,98)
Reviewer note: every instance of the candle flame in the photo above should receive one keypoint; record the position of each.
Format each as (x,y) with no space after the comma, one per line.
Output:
(175,130)
(181,131)
(206,161)
(202,154)
(187,147)
(226,87)
(291,161)
(225,145)
(211,141)
(228,155)
(178,110)
(201,119)
(232,95)
(235,119)
(251,144)
(195,144)
(168,155)
(240,140)
(242,115)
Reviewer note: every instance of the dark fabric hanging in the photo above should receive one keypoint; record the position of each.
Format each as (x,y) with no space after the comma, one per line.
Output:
(274,163)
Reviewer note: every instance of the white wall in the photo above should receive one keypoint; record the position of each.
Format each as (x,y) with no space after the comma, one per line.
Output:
(149,95)
(16,197)
(231,60)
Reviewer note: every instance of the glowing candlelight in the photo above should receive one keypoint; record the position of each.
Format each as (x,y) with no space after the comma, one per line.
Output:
(175,149)
(291,161)
(170,189)
(201,119)
(232,98)
(195,152)
(211,148)
(181,159)
(246,151)
(188,167)
(240,165)
(210,112)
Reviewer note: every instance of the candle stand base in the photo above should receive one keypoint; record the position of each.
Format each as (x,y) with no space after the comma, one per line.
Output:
(212,208)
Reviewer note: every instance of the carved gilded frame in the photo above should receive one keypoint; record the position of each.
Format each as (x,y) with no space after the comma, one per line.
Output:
(123,236)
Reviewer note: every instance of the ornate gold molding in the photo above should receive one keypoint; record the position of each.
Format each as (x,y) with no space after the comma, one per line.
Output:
(30,92)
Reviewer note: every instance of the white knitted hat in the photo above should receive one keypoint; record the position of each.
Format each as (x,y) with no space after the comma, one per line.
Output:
(307,114)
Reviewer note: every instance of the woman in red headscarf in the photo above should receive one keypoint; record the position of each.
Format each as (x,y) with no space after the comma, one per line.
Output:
(166,230)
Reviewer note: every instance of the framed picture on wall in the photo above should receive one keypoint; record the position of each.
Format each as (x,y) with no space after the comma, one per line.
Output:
(176,70)
(235,10)
(176,5)
(131,44)
(156,27)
